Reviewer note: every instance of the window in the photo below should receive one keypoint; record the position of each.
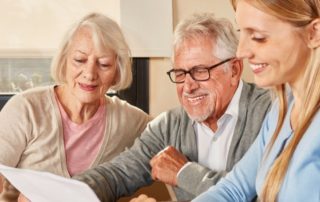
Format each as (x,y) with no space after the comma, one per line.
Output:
(18,74)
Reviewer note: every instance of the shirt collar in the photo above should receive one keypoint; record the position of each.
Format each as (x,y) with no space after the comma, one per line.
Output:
(233,107)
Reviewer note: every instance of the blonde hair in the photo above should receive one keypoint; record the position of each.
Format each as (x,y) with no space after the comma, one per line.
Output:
(106,34)
(299,13)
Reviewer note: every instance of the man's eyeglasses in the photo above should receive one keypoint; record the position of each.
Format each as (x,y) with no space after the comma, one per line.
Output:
(196,73)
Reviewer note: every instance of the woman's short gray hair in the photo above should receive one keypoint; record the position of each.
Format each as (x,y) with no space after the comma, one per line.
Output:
(106,34)
(205,24)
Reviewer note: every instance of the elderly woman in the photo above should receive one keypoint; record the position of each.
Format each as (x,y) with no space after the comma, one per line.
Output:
(73,125)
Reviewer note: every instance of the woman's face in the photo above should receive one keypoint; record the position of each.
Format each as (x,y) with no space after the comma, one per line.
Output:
(276,50)
(89,72)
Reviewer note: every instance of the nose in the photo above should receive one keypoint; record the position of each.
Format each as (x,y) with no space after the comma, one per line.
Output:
(90,71)
(244,50)
(190,84)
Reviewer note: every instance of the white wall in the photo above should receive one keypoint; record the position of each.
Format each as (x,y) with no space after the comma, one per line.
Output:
(37,26)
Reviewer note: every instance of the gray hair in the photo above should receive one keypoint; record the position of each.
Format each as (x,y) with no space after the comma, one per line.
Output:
(205,24)
(106,34)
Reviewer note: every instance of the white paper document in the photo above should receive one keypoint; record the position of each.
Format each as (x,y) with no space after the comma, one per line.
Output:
(46,187)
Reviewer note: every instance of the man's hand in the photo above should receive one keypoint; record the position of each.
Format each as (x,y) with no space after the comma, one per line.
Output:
(166,165)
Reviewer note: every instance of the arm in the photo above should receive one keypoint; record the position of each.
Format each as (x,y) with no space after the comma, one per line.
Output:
(166,165)
(130,170)
(172,167)
(254,104)
(14,130)
(239,184)
(196,178)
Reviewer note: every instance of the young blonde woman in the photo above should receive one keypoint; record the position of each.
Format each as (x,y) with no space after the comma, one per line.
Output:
(281,40)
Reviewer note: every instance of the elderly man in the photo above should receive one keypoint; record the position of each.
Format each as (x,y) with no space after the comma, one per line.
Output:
(193,146)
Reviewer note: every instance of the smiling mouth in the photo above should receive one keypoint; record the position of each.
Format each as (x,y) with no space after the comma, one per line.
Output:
(257,68)
(195,100)
(87,87)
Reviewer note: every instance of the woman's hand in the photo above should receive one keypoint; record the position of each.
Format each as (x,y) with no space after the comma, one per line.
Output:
(143,198)
(22,198)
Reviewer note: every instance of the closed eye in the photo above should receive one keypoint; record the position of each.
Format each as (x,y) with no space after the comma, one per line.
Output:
(179,73)
(200,70)
(80,60)
(104,66)
(260,40)
(257,37)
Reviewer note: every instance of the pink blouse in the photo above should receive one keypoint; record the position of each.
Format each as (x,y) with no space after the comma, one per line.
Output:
(82,141)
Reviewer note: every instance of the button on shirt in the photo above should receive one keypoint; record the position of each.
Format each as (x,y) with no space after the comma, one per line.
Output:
(213,147)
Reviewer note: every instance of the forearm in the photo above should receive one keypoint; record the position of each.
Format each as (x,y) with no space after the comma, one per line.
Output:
(122,175)
(98,183)
(119,178)
(196,178)
(128,171)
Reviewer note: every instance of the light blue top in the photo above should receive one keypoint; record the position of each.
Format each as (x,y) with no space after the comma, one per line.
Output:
(302,180)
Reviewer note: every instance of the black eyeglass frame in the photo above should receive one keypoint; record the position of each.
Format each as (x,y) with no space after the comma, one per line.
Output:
(193,68)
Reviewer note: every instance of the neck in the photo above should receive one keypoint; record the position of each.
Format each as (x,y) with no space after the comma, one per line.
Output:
(78,112)
(212,123)
(212,120)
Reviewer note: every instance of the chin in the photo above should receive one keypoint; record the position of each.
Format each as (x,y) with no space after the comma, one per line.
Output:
(199,117)
(262,83)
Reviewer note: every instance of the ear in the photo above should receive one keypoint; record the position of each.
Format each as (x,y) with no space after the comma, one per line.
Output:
(314,35)
(237,67)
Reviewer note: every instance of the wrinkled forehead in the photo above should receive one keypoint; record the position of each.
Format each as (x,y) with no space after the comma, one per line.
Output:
(188,46)
(90,35)
(193,37)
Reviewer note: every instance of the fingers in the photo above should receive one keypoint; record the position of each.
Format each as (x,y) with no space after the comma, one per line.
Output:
(159,154)
(143,198)
(22,198)
(169,155)
(9,189)
(154,174)
(153,160)
(158,161)
(166,165)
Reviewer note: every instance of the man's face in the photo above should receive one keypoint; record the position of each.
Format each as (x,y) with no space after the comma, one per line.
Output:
(203,100)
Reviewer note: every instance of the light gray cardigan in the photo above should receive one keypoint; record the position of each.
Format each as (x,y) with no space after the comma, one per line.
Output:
(131,170)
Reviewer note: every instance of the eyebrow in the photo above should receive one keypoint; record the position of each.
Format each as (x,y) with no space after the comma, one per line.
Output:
(253,29)
(199,65)
(80,51)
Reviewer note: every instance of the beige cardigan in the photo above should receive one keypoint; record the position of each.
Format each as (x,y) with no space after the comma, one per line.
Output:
(31,132)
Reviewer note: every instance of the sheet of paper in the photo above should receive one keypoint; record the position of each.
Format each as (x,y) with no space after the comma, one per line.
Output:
(46,187)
